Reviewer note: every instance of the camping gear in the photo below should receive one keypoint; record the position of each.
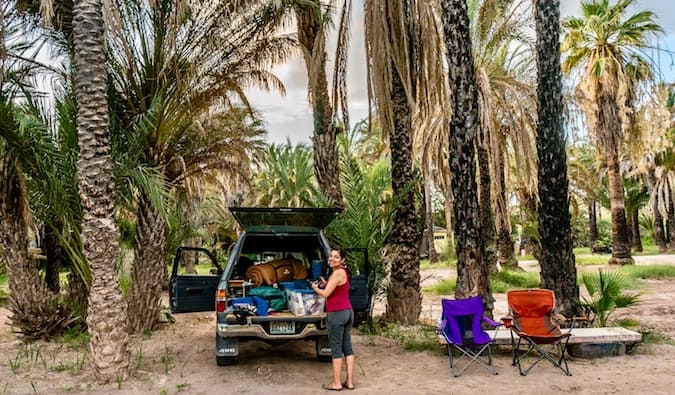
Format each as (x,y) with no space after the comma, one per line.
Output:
(275,297)
(305,302)
(318,269)
(268,273)
(532,321)
(252,305)
(461,325)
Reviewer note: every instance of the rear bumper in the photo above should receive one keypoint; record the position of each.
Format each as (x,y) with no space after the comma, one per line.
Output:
(257,331)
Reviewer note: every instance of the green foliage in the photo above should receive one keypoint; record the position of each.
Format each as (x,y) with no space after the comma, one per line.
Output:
(367,215)
(606,294)
(285,178)
(505,280)
(443,287)
(644,272)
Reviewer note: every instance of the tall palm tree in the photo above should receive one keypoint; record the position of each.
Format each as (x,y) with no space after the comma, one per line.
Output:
(558,270)
(107,311)
(601,45)
(173,65)
(312,24)
(505,78)
(472,269)
(390,49)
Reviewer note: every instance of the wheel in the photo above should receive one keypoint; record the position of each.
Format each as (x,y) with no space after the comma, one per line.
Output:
(226,361)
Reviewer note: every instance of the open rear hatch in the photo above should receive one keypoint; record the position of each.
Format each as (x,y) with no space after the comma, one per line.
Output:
(284,220)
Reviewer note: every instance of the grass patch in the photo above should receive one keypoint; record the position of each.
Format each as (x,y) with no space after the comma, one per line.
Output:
(500,282)
(587,259)
(443,287)
(508,279)
(655,337)
(443,263)
(411,338)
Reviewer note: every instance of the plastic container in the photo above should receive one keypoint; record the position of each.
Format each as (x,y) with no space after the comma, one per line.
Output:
(305,302)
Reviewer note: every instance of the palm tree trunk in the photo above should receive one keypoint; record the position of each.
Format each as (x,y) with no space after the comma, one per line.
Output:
(326,160)
(487,221)
(472,268)
(620,240)
(558,270)
(35,311)
(429,215)
(404,297)
(670,225)
(505,244)
(447,209)
(592,226)
(659,232)
(107,310)
(147,273)
(635,233)
(51,247)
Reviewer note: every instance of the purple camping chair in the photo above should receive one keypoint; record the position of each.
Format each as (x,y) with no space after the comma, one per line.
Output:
(462,326)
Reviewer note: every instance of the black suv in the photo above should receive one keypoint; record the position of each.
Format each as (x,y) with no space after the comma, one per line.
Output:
(269,234)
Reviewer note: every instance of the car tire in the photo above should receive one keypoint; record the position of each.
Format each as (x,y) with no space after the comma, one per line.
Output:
(226,361)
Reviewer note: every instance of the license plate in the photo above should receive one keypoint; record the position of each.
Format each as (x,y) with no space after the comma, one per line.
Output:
(282,327)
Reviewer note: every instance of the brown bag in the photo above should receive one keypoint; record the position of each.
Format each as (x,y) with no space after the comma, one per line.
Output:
(286,269)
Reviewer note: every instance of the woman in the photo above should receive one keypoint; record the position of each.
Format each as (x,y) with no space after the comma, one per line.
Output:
(340,318)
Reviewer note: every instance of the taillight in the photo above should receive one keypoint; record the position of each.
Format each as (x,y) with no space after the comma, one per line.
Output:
(221,300)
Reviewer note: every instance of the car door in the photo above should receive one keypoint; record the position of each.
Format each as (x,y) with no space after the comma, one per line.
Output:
(194,292)
(360,290)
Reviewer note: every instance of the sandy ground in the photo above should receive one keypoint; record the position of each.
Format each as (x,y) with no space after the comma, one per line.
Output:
(178,358)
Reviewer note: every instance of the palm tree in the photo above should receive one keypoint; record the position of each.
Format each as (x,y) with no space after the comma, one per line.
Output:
(312,24)
(107,311)
(505,78)
(602,44)
(472,269)
(171,67)
(558,271)
(391,66)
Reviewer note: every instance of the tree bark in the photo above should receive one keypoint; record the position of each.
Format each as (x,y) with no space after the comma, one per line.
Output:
(592,226)
(447,208)
(107,310)
(51,247)
(404,296)
(472,268)
(505,243)
(635,232)
(147,273)
(558,270)
(326,159)
(620,240)
(429,216)
(670,225)
(487,220)
(659,232)
(35,311)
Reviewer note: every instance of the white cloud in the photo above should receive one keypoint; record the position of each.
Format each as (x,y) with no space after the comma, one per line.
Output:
(291,117)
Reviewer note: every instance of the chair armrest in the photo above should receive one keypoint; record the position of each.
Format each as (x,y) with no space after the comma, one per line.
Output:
(508,321)
(491,322)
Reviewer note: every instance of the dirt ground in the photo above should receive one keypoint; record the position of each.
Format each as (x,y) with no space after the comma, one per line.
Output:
(179,358)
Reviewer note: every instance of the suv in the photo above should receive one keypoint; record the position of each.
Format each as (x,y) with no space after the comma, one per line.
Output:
(270,234)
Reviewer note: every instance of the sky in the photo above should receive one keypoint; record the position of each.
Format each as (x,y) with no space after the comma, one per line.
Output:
(289,118)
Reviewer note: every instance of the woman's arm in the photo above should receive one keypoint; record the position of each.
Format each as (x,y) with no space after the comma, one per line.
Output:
(336,278)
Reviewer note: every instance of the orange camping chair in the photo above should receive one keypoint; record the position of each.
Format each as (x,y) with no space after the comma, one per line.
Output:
(531,321)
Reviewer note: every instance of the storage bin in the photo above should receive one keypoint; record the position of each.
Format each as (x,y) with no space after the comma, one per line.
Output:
(304,302)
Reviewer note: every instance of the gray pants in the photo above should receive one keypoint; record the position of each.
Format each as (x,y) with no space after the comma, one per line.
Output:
(340,332)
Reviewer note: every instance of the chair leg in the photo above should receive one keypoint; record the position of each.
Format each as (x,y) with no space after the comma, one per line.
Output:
(560,363)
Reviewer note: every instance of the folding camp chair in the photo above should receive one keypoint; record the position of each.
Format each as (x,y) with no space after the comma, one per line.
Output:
(532,321)
(461,325)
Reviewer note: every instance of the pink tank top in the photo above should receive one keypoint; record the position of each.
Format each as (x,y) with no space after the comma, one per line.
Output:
(339,299)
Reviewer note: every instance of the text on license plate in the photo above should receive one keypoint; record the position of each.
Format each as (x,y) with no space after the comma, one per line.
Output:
(282,327)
